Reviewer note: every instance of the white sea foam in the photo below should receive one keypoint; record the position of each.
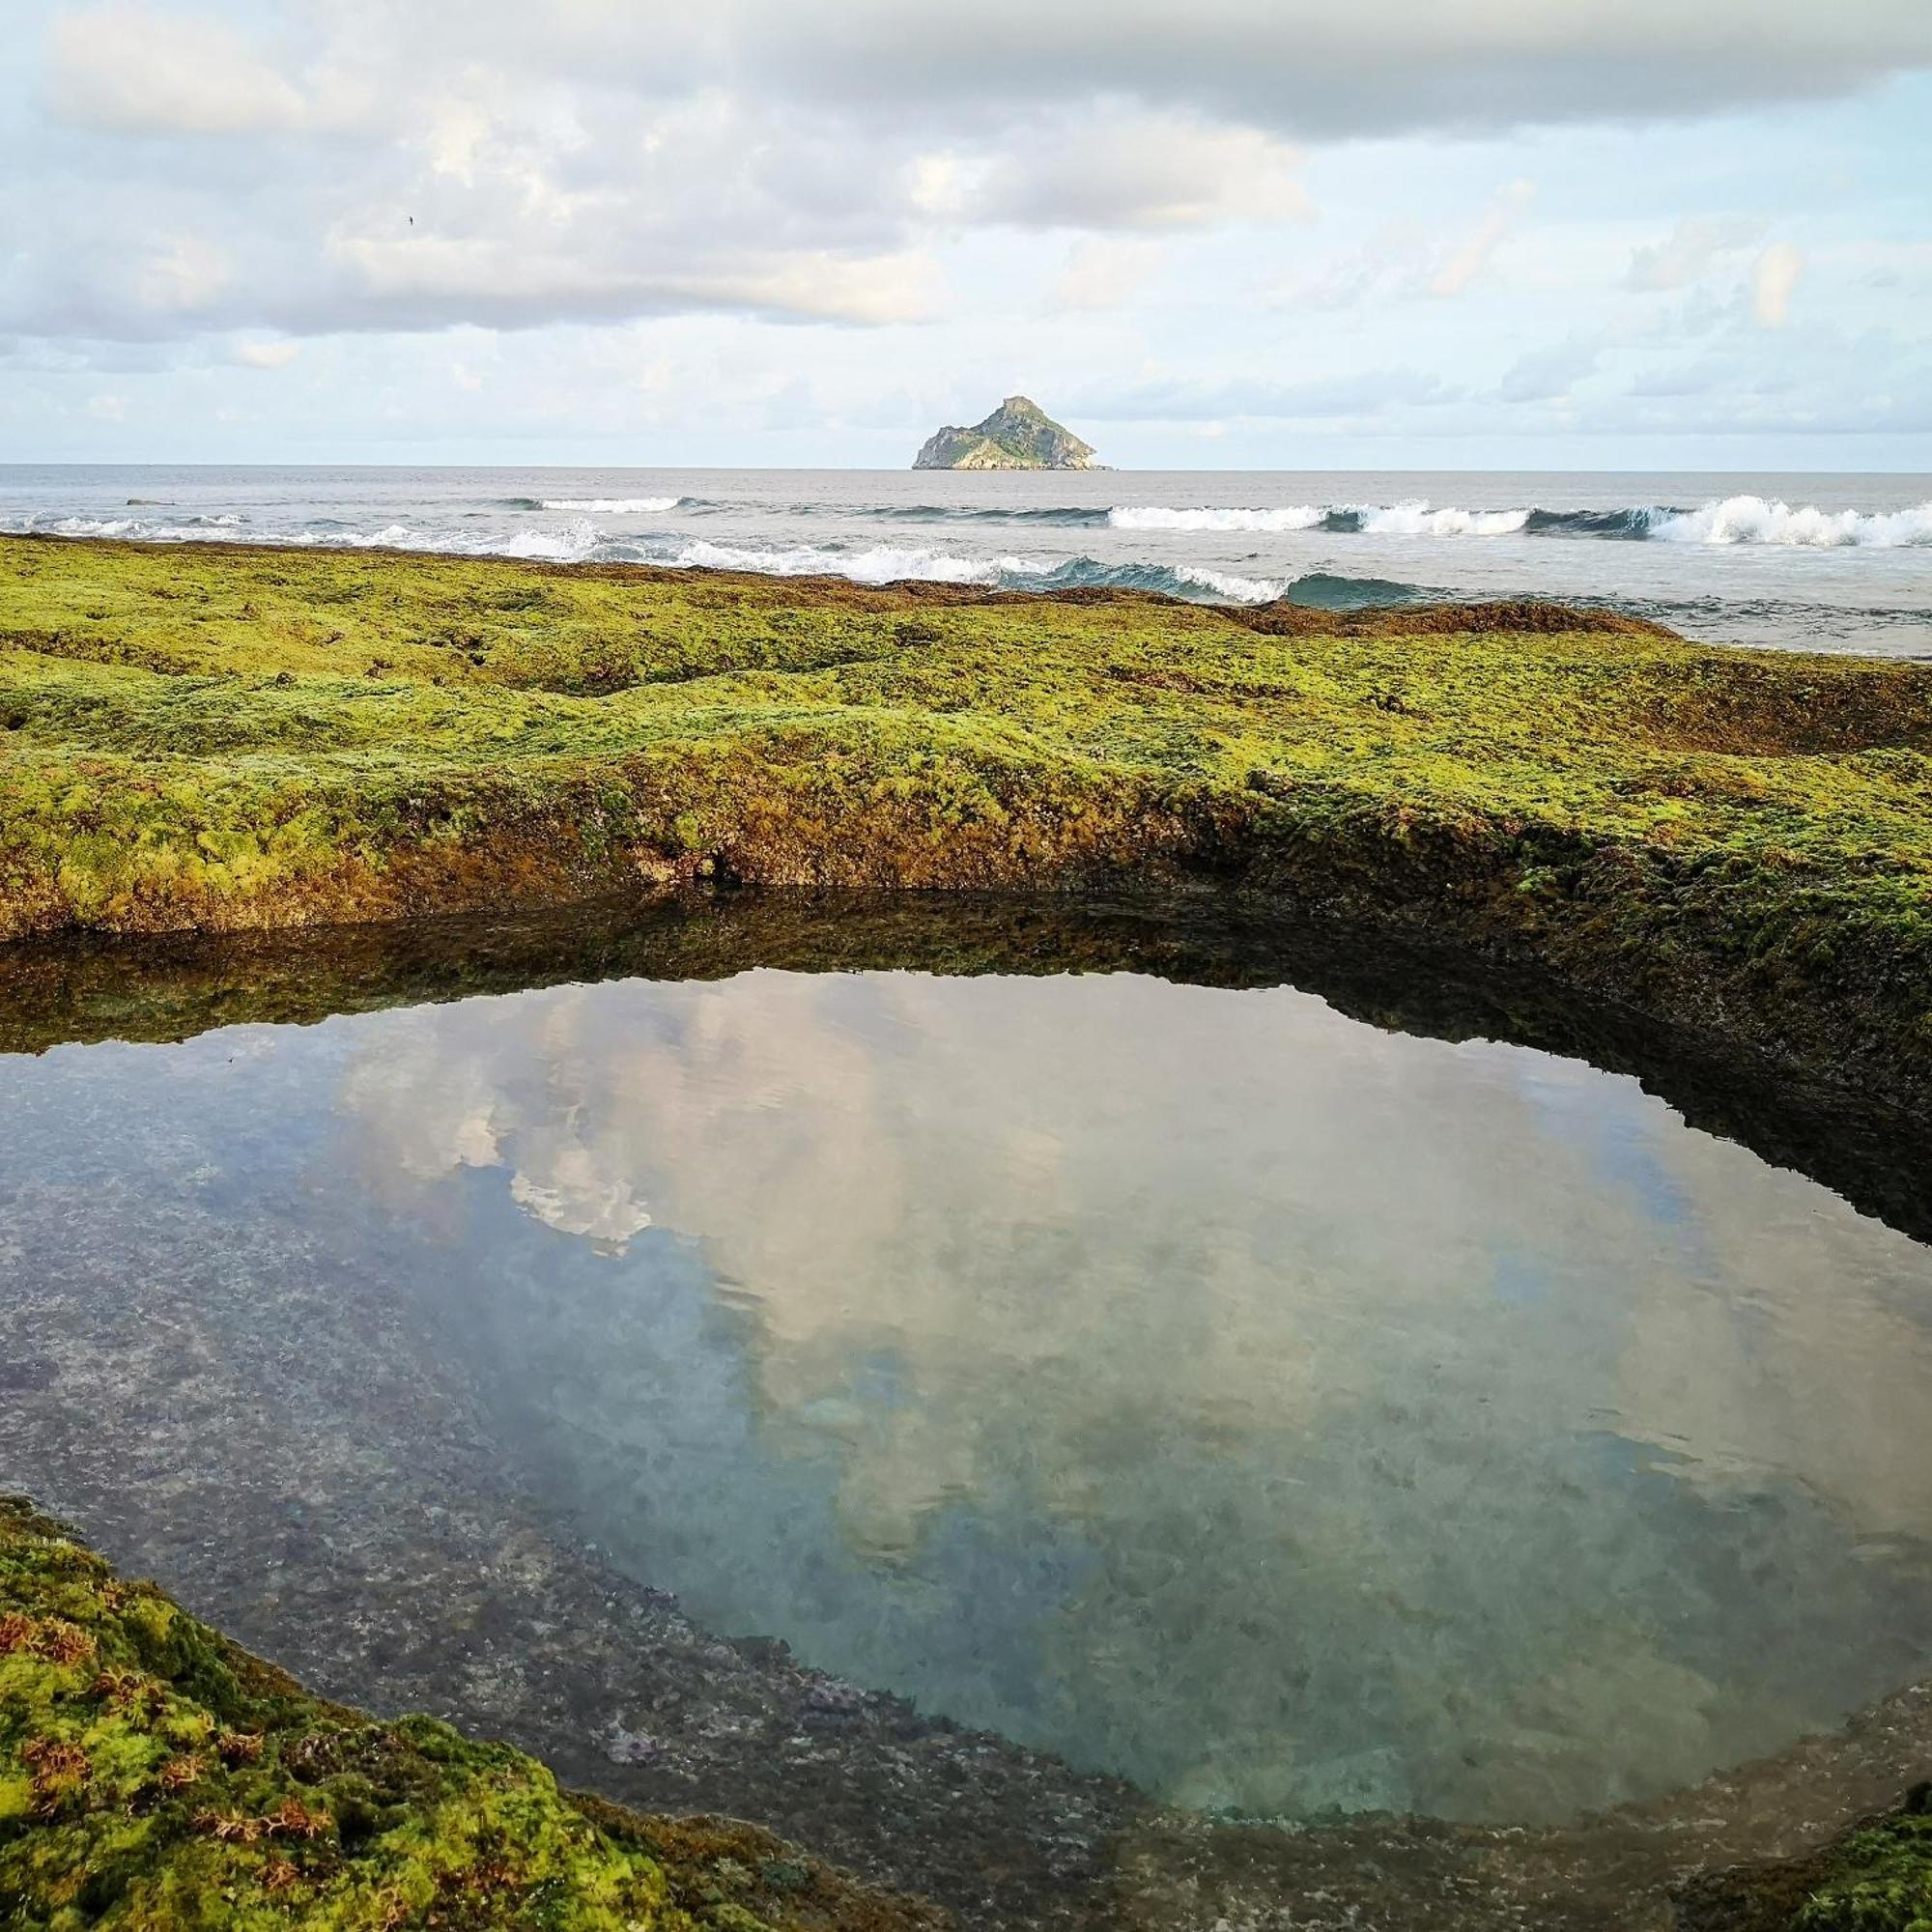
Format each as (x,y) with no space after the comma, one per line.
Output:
(878,566)
(569,545)
(1419,519)
(1236,589)
(90,527)
(1157,517)
(1754,520)
(144,529)
(615,506)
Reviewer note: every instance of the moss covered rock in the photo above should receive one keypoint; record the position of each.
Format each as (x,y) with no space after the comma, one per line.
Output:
(154,1777)
(216,738)
(1877,1880)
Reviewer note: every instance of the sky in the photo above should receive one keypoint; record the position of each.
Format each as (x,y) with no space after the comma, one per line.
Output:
(1435,233)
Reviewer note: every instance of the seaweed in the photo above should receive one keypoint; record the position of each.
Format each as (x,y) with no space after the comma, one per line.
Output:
(154,1775)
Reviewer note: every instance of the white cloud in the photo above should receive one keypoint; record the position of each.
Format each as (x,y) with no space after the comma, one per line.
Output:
(138,70)
(1548,374)
(107,409)
(1471,257)
(1144,172)
(1355,397)
(1689,252)
(602,159)
(944,185)
(1106,271)
(1775,281)
(877,289)
(188,274)
(213,183)
(1306,68)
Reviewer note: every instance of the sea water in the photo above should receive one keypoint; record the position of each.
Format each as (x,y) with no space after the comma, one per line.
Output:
(1830,562)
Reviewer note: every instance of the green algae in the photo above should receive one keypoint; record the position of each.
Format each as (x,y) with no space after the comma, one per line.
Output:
(220,738)
(154,1776)
(1876,1877)
(1879,1880)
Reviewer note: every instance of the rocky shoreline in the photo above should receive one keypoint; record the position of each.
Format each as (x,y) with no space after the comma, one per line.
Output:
(204,737)
(226,768)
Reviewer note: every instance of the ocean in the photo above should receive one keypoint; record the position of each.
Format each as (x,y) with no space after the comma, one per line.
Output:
(1825,562)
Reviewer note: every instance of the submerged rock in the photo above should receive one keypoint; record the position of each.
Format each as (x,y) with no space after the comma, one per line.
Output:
(153,1774)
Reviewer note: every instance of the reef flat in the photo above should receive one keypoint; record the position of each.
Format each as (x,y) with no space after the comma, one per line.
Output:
(153,1774)
(214,738)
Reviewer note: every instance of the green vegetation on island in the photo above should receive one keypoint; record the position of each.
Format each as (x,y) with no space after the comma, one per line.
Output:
(225,737)
(154,1777)
(1019,435)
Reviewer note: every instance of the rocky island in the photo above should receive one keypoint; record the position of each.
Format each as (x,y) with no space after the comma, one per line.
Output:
(1019,435)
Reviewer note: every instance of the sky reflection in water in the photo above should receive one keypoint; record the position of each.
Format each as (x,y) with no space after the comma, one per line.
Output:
(1195,1382)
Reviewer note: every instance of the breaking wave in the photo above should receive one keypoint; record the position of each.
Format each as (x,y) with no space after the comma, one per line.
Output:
(883,565)
(612,506)
(1736,520)
(1754,520)
(880,564)
(1156,517)
(1062,516)
(1419,519)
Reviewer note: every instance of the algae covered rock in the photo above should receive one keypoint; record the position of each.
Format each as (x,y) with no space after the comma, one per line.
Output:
(228,737)
(154,1775)
(1019,435)
(1879,1879)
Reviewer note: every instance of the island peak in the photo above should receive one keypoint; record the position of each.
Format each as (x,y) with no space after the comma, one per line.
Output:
(1019,435)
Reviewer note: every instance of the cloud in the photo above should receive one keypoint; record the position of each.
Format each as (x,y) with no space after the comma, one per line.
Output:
(1365,393)
(1304,67)
(1685,379)
(107,409)
(1687,254)
(1141,172)
(1471,257)
(188,274)
(1548,374)
(1775,281)
(480,162)
(1106,272)
(135,69)
(266,354)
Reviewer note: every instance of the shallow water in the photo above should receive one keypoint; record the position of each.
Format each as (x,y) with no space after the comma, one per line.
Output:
(1195,1382)
(1817,561)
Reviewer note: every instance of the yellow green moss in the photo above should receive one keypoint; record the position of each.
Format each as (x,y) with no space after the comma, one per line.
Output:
(224,737)
(156,1779)
(1879,1880)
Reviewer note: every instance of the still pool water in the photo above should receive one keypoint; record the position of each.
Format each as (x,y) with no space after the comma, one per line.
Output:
(1196,1383)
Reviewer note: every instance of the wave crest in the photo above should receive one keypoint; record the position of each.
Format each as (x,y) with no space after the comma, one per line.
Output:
(1157,517)
(1419,519)
(614,506)
(1757,519)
